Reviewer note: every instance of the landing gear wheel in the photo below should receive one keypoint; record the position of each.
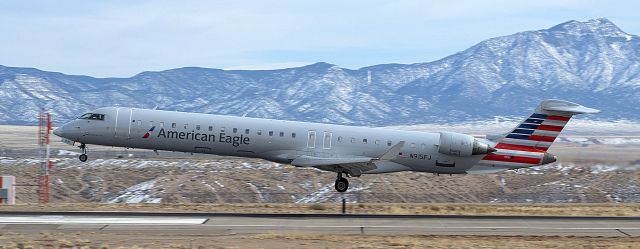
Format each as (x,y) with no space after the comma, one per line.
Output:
(342,184)
(83,157)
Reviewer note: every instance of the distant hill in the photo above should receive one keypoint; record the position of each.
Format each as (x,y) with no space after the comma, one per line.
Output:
(593,63)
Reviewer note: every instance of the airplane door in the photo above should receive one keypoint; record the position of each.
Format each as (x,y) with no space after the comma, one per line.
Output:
(326,142)
(311,140)
(123,122)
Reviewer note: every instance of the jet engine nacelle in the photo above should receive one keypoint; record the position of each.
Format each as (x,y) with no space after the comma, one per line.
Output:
(457,144)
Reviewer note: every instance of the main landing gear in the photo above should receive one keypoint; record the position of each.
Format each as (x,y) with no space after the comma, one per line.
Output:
(341,183)
(83,157)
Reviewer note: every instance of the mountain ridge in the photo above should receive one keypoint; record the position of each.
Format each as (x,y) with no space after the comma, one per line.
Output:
(593,63)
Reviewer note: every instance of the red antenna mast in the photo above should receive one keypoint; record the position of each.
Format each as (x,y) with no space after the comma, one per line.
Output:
(44,133)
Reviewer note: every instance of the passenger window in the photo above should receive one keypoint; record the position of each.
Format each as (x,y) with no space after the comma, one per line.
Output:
(259,132)
(173,125)
(197,127)
(186,126)
(424,146)
(150,123)
(222,129)
(353,140)
(270,133)
(235,130)
(413,145)
(364,141)
(139,122)
(210,128)
(293,135)
(281,134)
(389,143)
(339,139)
(246,131)
(161,124)
(377,142)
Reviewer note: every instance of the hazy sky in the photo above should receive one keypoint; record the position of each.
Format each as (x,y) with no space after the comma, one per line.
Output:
(123,38)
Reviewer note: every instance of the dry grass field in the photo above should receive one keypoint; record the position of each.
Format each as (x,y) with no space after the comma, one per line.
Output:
(293,240)
(581,209)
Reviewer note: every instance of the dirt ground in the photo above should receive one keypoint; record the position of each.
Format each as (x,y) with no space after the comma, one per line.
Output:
(293,240)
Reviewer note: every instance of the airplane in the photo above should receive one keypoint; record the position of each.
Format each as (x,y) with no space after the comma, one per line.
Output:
(346,150)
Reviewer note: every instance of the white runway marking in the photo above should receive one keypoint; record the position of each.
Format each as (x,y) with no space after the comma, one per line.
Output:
(58,219)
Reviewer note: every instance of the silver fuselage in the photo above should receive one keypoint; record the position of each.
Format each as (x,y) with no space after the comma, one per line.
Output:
(273,140)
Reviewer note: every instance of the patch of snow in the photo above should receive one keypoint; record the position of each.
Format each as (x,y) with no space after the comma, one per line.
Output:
(323,193)
(255,189)
(327,192)
(209,186)
(67,153)
(138,193)
(219,184)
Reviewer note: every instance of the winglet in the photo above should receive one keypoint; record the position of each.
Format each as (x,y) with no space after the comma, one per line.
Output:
(392,153)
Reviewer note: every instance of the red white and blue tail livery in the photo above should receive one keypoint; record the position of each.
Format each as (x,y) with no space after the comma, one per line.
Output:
(527,144)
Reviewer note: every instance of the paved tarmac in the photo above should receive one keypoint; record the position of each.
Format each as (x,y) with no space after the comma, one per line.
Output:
(225,224)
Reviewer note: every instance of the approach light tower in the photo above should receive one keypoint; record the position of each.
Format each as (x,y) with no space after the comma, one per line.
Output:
(44,132)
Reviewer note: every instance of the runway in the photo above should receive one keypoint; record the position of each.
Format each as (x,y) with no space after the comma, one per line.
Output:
(225,224)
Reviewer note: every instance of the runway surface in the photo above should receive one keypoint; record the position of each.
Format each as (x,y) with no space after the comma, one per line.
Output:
(225,224)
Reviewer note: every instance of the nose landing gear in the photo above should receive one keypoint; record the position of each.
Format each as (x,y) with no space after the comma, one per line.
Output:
(83,157)
(342,184)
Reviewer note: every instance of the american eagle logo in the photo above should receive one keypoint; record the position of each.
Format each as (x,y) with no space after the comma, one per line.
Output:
(146,135)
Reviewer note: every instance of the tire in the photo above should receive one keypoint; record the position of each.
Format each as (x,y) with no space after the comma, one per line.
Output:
(342,185)
(83,158)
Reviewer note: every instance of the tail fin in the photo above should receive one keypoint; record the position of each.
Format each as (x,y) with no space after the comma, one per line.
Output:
(538,131)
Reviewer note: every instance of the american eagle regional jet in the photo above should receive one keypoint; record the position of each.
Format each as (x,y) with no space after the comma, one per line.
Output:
(347,150)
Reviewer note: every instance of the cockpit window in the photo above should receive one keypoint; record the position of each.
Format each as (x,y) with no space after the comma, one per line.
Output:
(92,116)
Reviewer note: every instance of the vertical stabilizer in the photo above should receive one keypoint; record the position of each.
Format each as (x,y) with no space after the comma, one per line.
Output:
(540,129)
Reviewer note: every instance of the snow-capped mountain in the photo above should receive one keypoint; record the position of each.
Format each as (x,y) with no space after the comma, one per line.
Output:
(593,63)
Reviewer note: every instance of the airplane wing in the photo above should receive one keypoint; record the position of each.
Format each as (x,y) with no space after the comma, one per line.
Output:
(311,161)
(352,164)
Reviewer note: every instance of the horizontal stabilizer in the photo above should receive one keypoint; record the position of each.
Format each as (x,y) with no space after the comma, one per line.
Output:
(565,106)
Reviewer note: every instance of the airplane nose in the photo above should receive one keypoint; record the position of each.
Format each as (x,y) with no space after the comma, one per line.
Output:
(58,131)
(548,158)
